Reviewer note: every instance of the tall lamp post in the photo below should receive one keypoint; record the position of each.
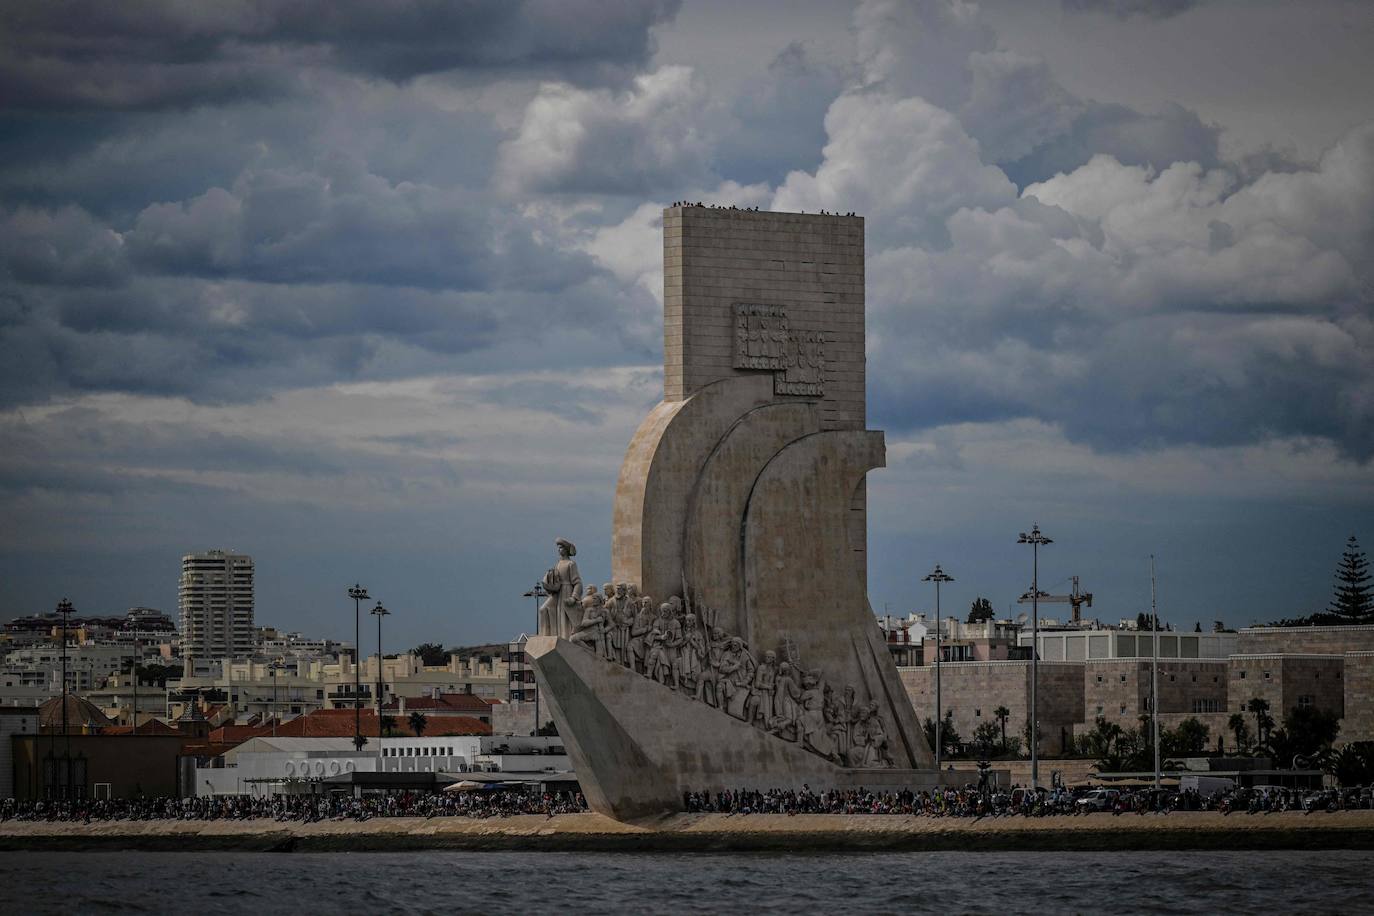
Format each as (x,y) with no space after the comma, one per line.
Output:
(538,593)
(379,612)
(1154,672)
(64,608)
(275,667)
(938,576)
(133,669)
(358,594)
(1036,540)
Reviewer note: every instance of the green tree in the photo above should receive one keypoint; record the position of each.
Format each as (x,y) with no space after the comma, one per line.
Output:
(1263,721)
(1002,714)
(985,739)
(388,725)
(1306,732)
(1352,765)
(949,737)
(548,729)
(431,654)
(1117,749)
(1190,737)
(1241,729)
(418,724)
(981,610)
(1354,599)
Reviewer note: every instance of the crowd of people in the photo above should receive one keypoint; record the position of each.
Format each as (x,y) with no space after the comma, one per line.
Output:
(977,803)
(302,808)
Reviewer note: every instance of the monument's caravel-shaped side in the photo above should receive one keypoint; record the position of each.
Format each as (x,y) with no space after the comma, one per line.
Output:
(743,494)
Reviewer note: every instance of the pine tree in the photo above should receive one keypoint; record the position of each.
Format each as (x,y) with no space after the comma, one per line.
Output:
(1353,601)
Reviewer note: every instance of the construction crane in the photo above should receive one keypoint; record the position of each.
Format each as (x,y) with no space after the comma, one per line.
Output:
(1075,599)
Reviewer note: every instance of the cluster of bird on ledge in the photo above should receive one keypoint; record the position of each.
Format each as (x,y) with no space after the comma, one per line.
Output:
(687,203)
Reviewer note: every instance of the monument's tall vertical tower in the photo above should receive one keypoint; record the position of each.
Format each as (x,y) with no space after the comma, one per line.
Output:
(743,493)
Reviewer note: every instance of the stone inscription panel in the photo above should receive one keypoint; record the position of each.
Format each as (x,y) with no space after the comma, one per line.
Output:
(765,340)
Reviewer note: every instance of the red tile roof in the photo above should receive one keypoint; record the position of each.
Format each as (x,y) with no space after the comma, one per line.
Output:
(151,727)
(338,723)
(444,703)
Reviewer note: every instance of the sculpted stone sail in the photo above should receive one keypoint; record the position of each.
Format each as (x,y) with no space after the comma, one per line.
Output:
(752,659)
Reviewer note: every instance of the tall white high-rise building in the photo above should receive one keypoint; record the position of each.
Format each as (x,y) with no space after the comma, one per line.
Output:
(216,600)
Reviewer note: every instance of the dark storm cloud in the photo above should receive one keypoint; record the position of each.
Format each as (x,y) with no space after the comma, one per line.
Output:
(1124,9)
(78,55)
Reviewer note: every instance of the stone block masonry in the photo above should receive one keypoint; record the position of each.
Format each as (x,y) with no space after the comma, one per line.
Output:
(808,267)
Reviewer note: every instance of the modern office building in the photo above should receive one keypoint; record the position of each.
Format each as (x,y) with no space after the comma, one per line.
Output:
(216,601)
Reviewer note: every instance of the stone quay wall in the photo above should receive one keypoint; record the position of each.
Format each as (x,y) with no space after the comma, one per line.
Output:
(1202,830)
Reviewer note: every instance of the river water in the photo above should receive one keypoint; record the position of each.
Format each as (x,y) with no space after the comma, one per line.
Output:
(736,884)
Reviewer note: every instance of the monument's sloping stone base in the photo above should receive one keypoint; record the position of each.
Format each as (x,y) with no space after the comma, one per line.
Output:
(638,745)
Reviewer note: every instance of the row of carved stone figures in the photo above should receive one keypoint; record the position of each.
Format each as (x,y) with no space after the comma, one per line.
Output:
(688,653)
(694,656)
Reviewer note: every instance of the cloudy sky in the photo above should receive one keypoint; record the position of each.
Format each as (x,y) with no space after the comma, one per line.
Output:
(371,291)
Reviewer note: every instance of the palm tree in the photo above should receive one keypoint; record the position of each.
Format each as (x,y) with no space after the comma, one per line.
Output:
(418,723)
(388,725)
(1002,714)
(1238,725)
(1263,721)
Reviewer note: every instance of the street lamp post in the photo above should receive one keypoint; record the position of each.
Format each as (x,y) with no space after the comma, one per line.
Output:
(64,608)
(538,593)
(134,671)
(379,612)
(1154,672)
(276,667)
(358,594)
(938,576)
(1036,540)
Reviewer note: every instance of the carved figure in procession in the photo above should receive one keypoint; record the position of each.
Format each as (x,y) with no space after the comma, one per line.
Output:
(591,631)
(558,615)
(878,754)
(609,611)
(708,679)
(759,708)
(786,708)
(838,713)
(736,676)
(811,724)
(692,654)
(658,665)
(625,625)
(639,634)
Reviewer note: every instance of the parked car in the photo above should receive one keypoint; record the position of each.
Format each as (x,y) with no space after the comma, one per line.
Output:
(1099,800)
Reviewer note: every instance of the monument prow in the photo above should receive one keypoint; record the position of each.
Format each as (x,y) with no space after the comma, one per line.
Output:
(742,502)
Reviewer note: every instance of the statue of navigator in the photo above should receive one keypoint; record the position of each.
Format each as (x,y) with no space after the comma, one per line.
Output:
(559,614)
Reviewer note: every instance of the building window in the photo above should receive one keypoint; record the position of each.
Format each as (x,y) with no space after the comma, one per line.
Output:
(1099,678)
(1266,675)
(1195,679)
(1304,701)
(1172,679)
(1099,710)
(1123,710)
(1206,705)
(1123,678)
(977,712)
(1242,675)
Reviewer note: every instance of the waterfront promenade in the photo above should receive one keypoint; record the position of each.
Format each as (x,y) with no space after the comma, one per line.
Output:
(719,832)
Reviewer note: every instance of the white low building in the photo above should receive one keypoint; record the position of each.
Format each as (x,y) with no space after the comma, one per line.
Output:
(288,766)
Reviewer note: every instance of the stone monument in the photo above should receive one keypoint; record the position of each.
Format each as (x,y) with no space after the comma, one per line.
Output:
(753,659)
